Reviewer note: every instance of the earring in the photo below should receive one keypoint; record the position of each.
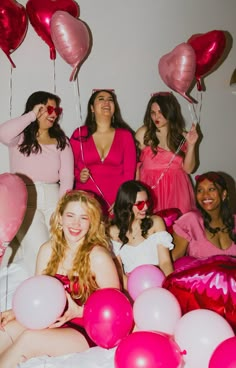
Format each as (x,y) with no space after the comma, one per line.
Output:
(59,226)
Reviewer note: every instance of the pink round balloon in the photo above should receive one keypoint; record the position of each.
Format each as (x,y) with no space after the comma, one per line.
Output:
(108,317)
(177,69)
(199,332)
(147,350)
(71,39)
(224,356)
(144,277)
(39,301)
(156,309)
(13,199)
(183,262)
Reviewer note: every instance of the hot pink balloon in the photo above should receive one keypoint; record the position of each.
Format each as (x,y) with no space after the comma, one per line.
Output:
(224,355)
(144,277)
(13,26)
(147,350)
(183,262)
(13,199)
(71,39)
(108,317)
(156,309)
(40,13)
(177,69)
(39,301)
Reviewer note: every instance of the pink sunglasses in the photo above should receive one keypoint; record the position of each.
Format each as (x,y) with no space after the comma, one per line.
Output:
(57,110)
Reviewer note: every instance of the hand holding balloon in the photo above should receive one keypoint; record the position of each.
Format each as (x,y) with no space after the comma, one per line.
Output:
(192,136)
(73,311)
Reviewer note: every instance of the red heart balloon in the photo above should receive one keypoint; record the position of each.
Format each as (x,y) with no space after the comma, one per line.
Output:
(177,69)
(169,215)
(209,48)
(13,26)
(40,13)
(208,283)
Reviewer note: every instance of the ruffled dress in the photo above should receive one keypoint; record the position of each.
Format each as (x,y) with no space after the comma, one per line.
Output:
(169,184)
(146,252)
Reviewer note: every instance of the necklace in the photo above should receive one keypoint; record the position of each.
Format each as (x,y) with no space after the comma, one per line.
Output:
(134,234)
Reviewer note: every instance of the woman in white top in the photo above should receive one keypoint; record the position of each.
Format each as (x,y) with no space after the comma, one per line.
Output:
(137,236)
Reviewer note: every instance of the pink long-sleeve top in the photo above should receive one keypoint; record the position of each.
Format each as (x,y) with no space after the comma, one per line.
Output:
(50,166)
(107,175)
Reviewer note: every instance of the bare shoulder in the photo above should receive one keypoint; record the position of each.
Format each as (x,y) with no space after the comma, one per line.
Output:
(100,255)
(158,224)
(45,249)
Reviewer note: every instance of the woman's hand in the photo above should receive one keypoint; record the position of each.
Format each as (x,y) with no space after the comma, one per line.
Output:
(84,175)
(73,311)
(192,136)
(6,317)
(39,110)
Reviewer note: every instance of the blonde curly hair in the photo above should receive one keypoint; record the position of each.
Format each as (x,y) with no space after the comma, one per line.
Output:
(96,236)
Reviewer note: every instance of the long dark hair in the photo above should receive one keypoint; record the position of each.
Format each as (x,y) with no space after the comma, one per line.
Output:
(123,209)
(117,120)
(30,144)
(225,209)
(171,110)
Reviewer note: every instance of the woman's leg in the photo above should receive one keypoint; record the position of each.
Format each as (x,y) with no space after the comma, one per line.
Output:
(52,342)
(9,334)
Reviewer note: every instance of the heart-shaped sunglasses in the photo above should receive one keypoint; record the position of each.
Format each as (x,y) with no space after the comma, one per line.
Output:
(57,110)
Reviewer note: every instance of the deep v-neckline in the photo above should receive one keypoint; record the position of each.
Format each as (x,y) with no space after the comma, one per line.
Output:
(102,159)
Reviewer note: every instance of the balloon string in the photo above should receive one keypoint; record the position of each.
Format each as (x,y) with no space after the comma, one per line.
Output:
(169,164)
(10,101)
(79,118)
(54,76)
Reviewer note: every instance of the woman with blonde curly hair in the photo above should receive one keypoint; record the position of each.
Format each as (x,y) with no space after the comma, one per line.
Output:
(78,255)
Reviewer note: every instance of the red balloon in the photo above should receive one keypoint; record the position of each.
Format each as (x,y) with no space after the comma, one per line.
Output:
(13,26)
(224,355)
(147,350)
(184,261)
(169,216)
(177,69)
(209,48)
(208,283)
(108,317)
(40,13)
(71,39)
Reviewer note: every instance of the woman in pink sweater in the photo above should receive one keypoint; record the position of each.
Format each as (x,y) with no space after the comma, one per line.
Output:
(104,149)
(40,154)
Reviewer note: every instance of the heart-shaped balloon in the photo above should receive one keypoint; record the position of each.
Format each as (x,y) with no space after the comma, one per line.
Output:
(13,199)
(169,215)
(208,283)
(71,39)
(177,69)
(40,13)
(13,26)
(209,48)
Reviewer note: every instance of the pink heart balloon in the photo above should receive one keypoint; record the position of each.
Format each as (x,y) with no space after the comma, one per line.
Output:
(71,39)
(177,69)
(40,13)
(13,199)
(13,26)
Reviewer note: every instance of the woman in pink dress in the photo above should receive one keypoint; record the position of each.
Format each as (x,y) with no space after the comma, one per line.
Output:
(104,149)
(168,154)
(211,230)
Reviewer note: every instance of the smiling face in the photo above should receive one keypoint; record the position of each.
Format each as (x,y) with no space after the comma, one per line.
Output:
(75,222)
(156,115)
(103,105)
(141,205)
(209,195)
(46,120)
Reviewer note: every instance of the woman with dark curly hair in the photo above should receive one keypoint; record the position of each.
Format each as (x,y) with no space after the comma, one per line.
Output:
(211,230)
(104,148)
(41,154)
(138,237)
(168,154)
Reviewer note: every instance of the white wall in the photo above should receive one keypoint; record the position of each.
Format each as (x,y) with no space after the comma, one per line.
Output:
(129,38)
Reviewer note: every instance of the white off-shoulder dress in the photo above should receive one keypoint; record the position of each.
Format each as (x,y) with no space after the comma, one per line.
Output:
(146,252)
